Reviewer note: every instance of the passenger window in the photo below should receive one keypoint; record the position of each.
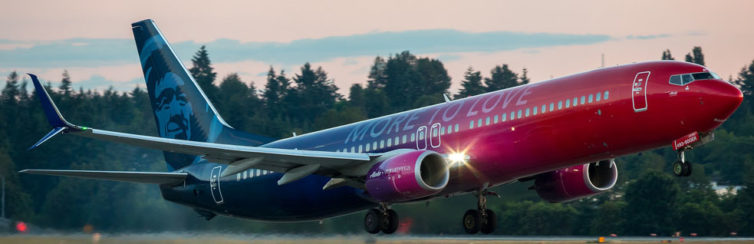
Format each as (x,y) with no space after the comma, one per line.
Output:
(519,114)
(413,137)
(527,112)
(583,100)
(513,115)
(360,148)
(560,105)
(591,98)
(367,147)
(404,139)
(544,108)
(535,110)
(396,141)
(456,127)
(471,124)
(382,143)
(575,101)
(374,145)
(607,94)
(353,149)
(479,123)
(504,116)
(487,121)
(598,95)
(390,142)
(495,119)
(568,103)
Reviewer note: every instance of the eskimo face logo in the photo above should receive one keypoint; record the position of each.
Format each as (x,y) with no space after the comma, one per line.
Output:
(172,109)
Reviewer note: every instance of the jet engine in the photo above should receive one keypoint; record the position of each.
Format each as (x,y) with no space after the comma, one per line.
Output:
(407,176)
(576,182)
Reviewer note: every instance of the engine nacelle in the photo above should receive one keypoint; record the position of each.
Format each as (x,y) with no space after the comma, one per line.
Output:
(576,182)
(408,176)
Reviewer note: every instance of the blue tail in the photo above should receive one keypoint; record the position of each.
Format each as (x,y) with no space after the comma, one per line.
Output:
(181,109)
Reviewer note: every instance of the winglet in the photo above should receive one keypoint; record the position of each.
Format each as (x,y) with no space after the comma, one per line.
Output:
(56,120)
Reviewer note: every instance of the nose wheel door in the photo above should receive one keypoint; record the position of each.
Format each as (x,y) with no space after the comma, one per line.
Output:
(639,91)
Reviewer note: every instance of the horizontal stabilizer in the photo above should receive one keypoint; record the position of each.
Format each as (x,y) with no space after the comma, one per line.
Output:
(125,176)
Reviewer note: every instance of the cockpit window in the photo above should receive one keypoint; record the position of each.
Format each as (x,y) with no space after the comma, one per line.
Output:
(684,79)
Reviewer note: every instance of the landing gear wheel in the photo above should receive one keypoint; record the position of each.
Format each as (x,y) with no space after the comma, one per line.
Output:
(471,221)
(678,168)
(686,169)
(373,221)
(489,221)
(389,222)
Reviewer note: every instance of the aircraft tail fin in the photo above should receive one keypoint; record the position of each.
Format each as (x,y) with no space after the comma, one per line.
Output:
(181,109)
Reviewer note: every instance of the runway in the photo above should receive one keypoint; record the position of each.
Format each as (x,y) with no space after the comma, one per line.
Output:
(338,239)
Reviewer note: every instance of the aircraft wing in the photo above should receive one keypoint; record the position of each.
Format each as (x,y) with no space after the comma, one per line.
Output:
(125,176)
(295,163)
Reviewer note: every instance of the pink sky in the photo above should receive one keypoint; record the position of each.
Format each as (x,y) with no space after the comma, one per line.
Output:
(720,27)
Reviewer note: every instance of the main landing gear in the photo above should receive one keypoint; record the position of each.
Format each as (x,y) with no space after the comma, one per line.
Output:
(480,219)
(682,168)
(381,219)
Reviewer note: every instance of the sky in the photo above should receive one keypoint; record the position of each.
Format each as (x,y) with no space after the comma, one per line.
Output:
(93,39)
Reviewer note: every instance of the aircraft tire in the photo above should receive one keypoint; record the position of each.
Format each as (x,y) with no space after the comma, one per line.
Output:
(678,168)
(489,222)
(389,222)
(472,221)
(687,169)
(373,221)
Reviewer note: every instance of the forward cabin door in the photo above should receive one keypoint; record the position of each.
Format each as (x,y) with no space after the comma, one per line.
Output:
(639,91)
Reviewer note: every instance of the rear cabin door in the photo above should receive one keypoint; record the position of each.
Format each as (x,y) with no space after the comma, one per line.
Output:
(214,185)
(639,91)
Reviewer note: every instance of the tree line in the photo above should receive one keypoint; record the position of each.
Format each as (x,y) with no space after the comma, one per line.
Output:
(646,200)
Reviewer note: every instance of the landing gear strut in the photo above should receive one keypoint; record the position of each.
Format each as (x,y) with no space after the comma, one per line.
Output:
(480,219)
(682,168)
(381,219)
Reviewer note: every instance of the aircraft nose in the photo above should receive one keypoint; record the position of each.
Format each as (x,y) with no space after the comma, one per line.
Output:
(724,97)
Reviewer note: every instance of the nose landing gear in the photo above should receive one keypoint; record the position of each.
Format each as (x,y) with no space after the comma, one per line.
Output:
(480,219)
(682,168)
(381,219)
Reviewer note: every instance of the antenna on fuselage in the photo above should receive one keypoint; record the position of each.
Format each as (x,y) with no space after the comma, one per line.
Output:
(447,99)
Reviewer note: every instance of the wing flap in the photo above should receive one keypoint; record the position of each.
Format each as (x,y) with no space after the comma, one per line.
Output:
(124,176)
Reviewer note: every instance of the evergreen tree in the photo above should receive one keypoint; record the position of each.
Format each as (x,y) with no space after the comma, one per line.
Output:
(471,84)
(745,80)
(11,92)
(407,77)
(65,84)
(501,77)
(695,56)
(524,79)
(203,73)
(315,93)
(666,55)
(651,204)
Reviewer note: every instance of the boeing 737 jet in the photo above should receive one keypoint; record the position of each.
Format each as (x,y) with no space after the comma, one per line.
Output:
(562,134)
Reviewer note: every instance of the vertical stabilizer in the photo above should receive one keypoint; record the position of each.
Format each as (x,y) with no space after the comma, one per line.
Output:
(181,109)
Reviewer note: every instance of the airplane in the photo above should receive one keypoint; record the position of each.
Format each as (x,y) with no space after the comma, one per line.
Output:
(563,134)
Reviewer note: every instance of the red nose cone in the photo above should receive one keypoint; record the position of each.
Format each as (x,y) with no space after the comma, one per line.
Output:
(725,97)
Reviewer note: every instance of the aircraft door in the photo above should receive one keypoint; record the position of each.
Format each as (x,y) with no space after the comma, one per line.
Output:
(434,136)
(639,91)
(214,185)
(421,138)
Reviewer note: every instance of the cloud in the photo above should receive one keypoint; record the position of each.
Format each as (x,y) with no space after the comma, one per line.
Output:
(88,52)
(647,37)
